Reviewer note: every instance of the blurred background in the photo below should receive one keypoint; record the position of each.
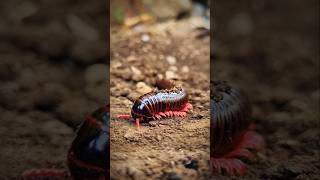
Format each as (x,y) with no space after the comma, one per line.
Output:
(53,72)
(270,49)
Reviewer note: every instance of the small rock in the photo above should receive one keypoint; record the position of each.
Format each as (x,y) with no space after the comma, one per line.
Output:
(173,68)
(171,75)
(145,38)
(153,123)
(135,70)
(125,74)
(160,76)
(159,138)
(23,10)
(131,58)
(115,64)
(137,77)
(133,96)
(82,29)
(171,60)
(125,92)
(143,88)
(96,73)
(132,171)
(193,164)
(185,69)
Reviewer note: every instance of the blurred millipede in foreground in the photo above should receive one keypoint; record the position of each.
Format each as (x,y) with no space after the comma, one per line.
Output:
(166,102)
(89,154)
(232,134)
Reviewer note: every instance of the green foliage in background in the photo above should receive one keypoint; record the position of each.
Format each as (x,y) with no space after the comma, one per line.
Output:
(118,15)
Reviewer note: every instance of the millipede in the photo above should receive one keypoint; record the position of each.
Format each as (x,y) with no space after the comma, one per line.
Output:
(89,153)
(232,133)
(168,101)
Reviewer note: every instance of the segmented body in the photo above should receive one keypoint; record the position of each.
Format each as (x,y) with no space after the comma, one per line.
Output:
(89,154)
(162,103)
(232,133)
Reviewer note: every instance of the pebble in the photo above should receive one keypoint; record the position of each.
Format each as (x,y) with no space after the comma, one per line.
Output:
(115,64)
(132,171)
(143,88)
(171,60)
(81,28)
(131,59)
(135,70)
(171,75)
(160,76)
(159,138)
(145,38)
(185,69)
(133,96)
(125,92)
(96,73)
(173,68)
(193,164)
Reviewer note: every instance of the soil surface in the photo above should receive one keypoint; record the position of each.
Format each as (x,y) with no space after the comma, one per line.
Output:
(170,148)
(270,50)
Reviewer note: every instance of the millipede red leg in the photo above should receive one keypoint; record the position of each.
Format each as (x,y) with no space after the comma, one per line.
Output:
(138,122)
(124,117)
(230,162)
(42,174)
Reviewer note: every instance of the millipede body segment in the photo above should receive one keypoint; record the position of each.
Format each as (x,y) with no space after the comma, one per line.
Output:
(161,103)
(232,133)
(168,101)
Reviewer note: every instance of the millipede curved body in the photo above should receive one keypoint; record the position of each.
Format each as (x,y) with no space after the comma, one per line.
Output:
(89,154)
(162,103)
(232,132)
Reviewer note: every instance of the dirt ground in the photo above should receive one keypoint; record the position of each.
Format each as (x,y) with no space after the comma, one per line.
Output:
(53,72)
(270,49)
(172,148)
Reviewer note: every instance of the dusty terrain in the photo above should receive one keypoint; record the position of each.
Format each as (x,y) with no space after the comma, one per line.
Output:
(172,148)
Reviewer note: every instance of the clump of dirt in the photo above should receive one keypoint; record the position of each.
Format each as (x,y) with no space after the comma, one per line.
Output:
(171,148)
